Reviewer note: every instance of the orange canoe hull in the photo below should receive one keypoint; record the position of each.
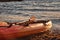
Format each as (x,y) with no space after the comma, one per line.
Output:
(19,31)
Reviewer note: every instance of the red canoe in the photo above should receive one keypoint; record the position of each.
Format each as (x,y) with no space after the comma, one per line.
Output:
(21,29)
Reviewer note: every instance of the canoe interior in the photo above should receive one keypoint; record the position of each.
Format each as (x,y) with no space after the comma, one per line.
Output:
(26,23)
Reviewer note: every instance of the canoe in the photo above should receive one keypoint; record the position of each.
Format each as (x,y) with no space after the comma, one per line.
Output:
(24,29)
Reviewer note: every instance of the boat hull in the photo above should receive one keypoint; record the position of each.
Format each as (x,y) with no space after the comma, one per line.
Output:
(16,31)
